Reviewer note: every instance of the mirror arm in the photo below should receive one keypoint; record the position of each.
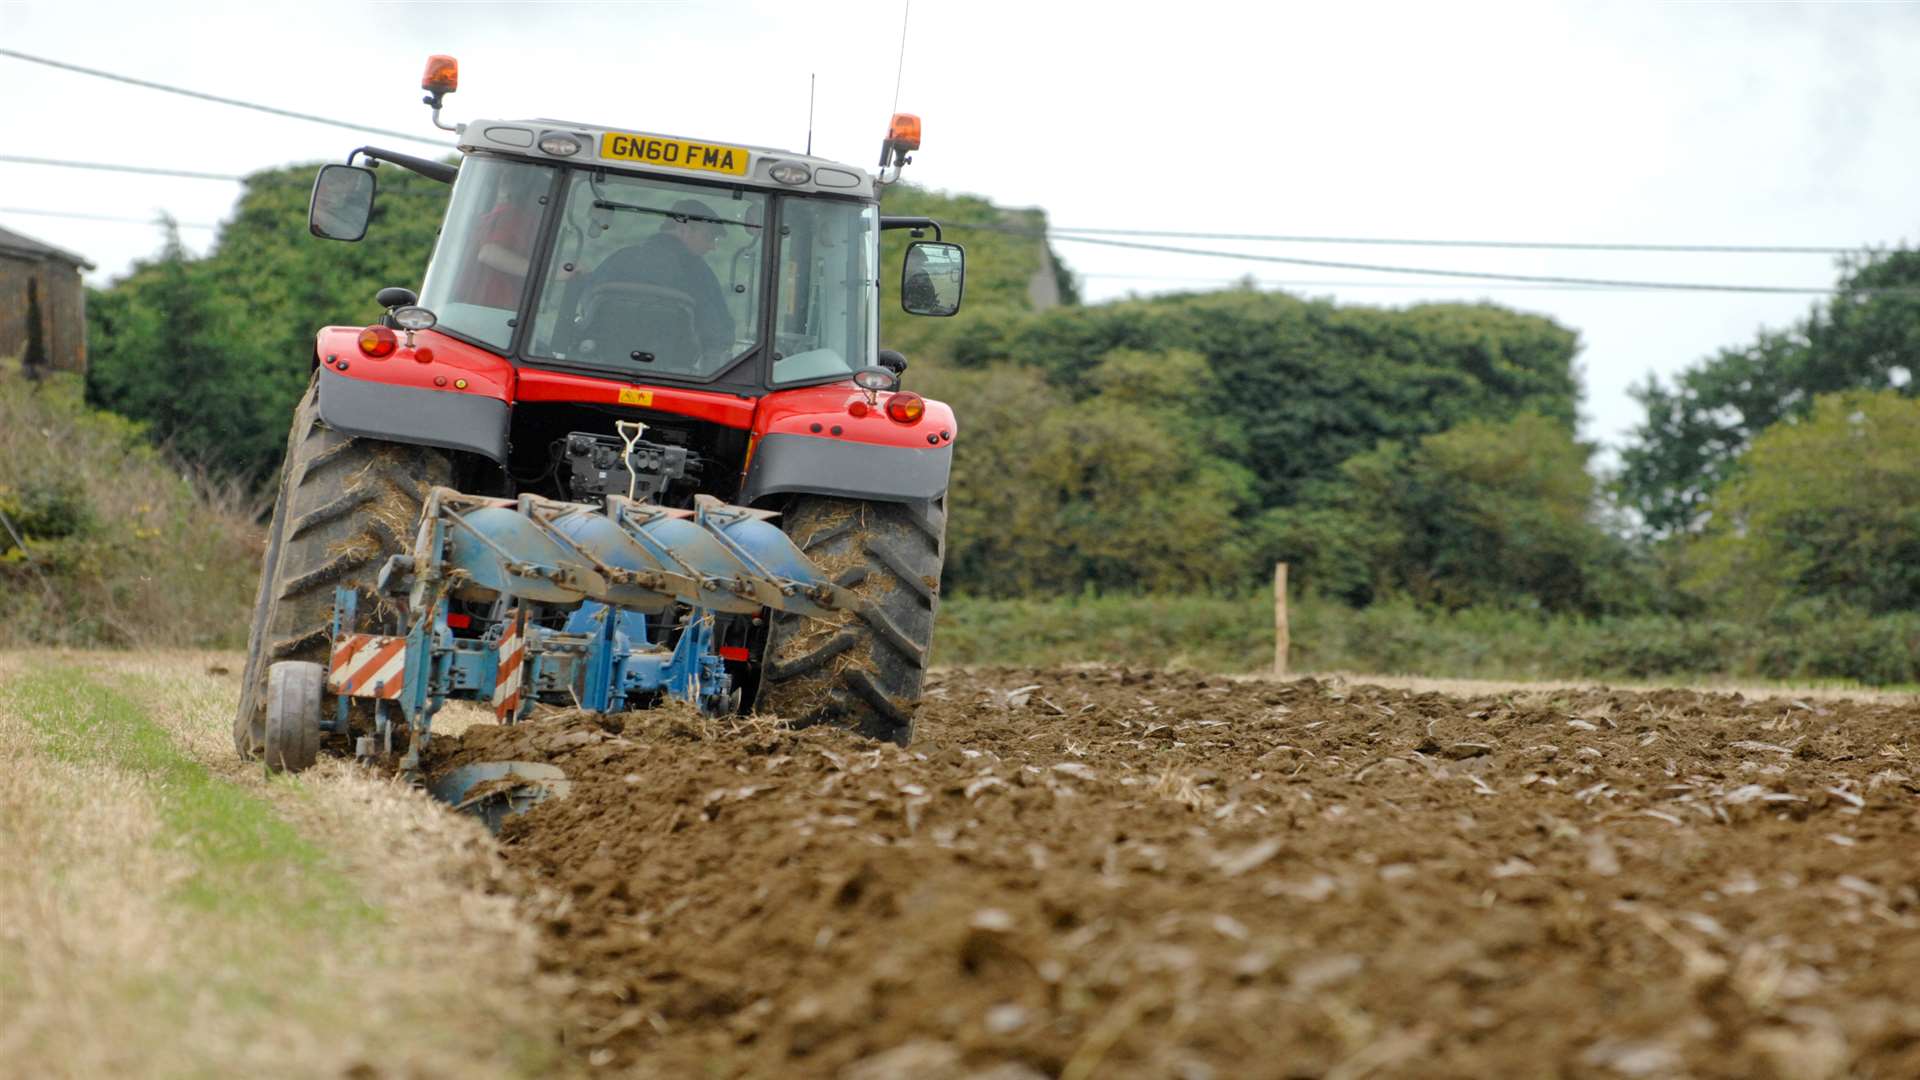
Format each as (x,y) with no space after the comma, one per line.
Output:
(911,223)
(432,170)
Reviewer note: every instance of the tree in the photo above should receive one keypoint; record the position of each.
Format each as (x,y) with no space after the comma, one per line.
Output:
(1823,508)
(1108,493)
(1490,512)
(1305,385)
(1865,338)
(213,352)
(1003,260)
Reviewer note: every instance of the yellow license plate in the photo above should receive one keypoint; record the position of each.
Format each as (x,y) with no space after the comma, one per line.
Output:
(674,153)
(630,396)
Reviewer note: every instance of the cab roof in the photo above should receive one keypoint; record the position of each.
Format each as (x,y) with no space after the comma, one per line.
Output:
(665,155)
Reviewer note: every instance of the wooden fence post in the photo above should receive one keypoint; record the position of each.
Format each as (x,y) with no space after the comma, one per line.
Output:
(1282,639)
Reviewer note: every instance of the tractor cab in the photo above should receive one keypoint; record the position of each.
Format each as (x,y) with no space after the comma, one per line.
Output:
(656,258)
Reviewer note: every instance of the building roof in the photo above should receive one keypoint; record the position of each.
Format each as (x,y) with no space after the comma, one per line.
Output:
(13,243)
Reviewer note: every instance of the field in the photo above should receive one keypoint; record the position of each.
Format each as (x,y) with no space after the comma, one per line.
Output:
(1072,872)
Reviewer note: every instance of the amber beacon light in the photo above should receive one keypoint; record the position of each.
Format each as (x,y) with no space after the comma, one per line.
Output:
(904,132)
(443,75)
(903,137)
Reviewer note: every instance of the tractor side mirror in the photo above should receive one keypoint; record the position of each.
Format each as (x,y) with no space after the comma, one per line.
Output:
(932,278)
(342,202)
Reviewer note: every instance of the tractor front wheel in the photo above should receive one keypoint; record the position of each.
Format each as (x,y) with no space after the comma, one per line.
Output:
(863,670)
(294,690)
(345,504)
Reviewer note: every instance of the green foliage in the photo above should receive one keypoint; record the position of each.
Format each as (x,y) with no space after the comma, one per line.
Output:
(119,548)
(1697,427)
(1115,491)
(213,353)
(1488,513)
(1194,630)
(1001,267)
(1827,508)
(1305,385)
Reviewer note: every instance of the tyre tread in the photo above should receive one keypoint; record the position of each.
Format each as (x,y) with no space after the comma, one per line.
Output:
(324,534)
(867,676)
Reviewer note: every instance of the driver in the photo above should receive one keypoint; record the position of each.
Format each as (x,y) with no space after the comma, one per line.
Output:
(499,268)
(673,259)
(919,293)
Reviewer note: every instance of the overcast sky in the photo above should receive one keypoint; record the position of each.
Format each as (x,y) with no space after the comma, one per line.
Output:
(1718,123)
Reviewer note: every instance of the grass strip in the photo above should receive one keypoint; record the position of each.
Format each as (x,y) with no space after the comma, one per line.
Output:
(246,861)
(1805,646)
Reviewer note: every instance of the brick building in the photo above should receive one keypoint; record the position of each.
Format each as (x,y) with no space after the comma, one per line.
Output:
(39,278)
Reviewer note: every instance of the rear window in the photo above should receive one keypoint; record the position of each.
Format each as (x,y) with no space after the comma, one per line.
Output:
(651,277)
(480,265)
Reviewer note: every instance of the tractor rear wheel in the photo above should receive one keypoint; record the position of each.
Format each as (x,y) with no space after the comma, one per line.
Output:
(345,504)
(863,670)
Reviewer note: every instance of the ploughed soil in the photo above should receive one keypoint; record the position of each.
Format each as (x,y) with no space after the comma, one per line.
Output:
(1097,873)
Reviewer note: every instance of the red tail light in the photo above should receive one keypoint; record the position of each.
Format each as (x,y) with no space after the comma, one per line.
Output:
(378,342)
(906,408)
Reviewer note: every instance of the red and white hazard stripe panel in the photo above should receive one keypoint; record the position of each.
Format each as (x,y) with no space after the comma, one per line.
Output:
(512,657)
(368,665)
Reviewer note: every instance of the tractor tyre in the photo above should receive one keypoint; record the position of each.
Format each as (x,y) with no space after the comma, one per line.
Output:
(294,691)
(864,669)
(345,505)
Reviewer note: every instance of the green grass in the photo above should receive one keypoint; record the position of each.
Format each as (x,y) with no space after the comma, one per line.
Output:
(1206,632)
(173,915)
(1802,645)
(246,861)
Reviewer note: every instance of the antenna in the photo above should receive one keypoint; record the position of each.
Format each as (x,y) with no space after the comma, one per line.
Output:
(890,150)
(810,78)
(906,13)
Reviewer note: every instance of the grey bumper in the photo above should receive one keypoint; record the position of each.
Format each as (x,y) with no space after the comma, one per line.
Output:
(822,466)
(409,414)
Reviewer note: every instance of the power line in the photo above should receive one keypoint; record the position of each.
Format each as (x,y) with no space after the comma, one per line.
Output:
(1521,245)
(1059,235)
(1470,275)
(255,181)
(1291,283)
(235,102)
(1062,232)
(108,166)
(102,217)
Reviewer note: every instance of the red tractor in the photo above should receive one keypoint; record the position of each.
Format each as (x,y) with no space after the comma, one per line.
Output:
(674,324)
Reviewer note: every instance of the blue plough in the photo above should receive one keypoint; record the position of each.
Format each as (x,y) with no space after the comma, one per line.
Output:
(513,601)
